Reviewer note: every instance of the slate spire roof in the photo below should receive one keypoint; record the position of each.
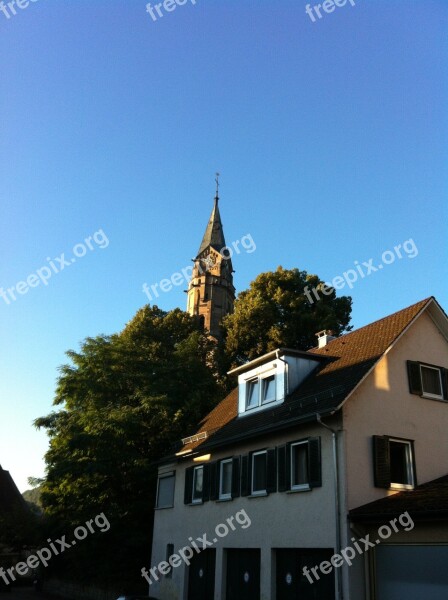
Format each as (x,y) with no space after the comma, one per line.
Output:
(214,233)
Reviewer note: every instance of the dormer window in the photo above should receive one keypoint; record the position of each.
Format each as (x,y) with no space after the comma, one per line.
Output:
(266,381)
(260,390)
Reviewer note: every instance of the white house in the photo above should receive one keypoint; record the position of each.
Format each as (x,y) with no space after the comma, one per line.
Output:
(267,500)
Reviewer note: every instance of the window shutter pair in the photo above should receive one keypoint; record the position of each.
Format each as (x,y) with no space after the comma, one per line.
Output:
(271,472)
(415,379)
(314,465)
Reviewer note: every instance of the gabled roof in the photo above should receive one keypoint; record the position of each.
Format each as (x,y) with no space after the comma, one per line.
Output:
(349,359)
(427,501)
(10,497)
(214,233)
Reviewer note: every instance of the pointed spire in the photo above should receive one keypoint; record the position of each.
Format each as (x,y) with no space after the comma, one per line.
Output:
(214,234)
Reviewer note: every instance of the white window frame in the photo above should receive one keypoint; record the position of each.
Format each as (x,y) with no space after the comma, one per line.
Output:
(165,476)
(252,491)
(260,379)
(222,495)
(409,466)
(302,486)
(428,394)
(193,499)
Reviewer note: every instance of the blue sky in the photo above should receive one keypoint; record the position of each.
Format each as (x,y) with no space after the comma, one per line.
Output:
(330,138)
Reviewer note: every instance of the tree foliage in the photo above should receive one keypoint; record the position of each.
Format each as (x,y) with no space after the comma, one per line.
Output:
(121,403)
(275,312)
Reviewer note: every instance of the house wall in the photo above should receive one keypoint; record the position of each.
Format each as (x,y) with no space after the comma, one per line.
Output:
(280,520)
(383,405)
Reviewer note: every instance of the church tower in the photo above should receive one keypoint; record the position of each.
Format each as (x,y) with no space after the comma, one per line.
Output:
(210,292)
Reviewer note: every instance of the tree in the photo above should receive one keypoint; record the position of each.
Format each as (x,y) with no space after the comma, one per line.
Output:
(277,312)
(123,401)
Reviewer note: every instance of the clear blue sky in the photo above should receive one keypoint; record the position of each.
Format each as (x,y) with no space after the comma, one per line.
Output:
(330,137)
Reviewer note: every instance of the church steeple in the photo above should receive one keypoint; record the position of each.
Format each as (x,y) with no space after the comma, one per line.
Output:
(210,292)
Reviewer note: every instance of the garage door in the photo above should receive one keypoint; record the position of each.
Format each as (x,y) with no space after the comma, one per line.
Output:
(243,574)
(291,583)
(201,576)
(412,572)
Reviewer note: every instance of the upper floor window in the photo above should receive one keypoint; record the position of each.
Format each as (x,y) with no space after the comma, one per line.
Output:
(394,465)
(260,390)
(198,484)
(165,490)
(225,479)
(299,465)
(426,380)
(259,472)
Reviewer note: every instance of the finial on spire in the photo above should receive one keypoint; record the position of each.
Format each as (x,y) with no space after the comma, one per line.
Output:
(217,186)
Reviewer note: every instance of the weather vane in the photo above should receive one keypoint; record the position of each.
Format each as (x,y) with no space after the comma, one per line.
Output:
(217,185)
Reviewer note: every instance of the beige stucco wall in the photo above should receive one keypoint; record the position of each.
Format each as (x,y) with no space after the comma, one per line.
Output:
(280,520)
(382,405)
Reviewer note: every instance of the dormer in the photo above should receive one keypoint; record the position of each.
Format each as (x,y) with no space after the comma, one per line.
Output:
(265,381)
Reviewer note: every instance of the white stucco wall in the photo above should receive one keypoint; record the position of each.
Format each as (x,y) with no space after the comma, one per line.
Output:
(280,520)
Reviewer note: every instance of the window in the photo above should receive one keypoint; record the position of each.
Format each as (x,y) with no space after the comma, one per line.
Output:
(401,471)
(165,491)
(268,389)
(393,463)
(198,484)
(252,393)
(260,390)
(169,554)
(429,381)
(225,479)
(299,466)
(259,472)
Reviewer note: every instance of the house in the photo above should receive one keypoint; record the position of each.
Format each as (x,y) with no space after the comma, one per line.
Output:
(265,500)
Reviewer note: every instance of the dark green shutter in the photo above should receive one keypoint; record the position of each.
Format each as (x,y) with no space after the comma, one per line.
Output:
(314,462)
(245,475)
(188,491)
(271,478)
(214,480)
(236,477)
(206,483)
(414,376)
(281,468)
(444,373)
(381,461)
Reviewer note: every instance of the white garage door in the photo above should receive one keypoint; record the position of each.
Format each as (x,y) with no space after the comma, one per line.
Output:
(412,572)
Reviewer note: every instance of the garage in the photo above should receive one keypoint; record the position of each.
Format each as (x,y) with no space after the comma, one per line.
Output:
(292,584)
(243,574)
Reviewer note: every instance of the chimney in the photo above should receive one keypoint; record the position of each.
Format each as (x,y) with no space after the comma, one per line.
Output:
(324,336)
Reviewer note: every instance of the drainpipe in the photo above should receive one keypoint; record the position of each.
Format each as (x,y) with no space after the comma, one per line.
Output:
(338,573)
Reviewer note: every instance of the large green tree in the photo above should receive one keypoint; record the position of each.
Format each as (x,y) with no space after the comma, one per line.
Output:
(123,400)
(280,310)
